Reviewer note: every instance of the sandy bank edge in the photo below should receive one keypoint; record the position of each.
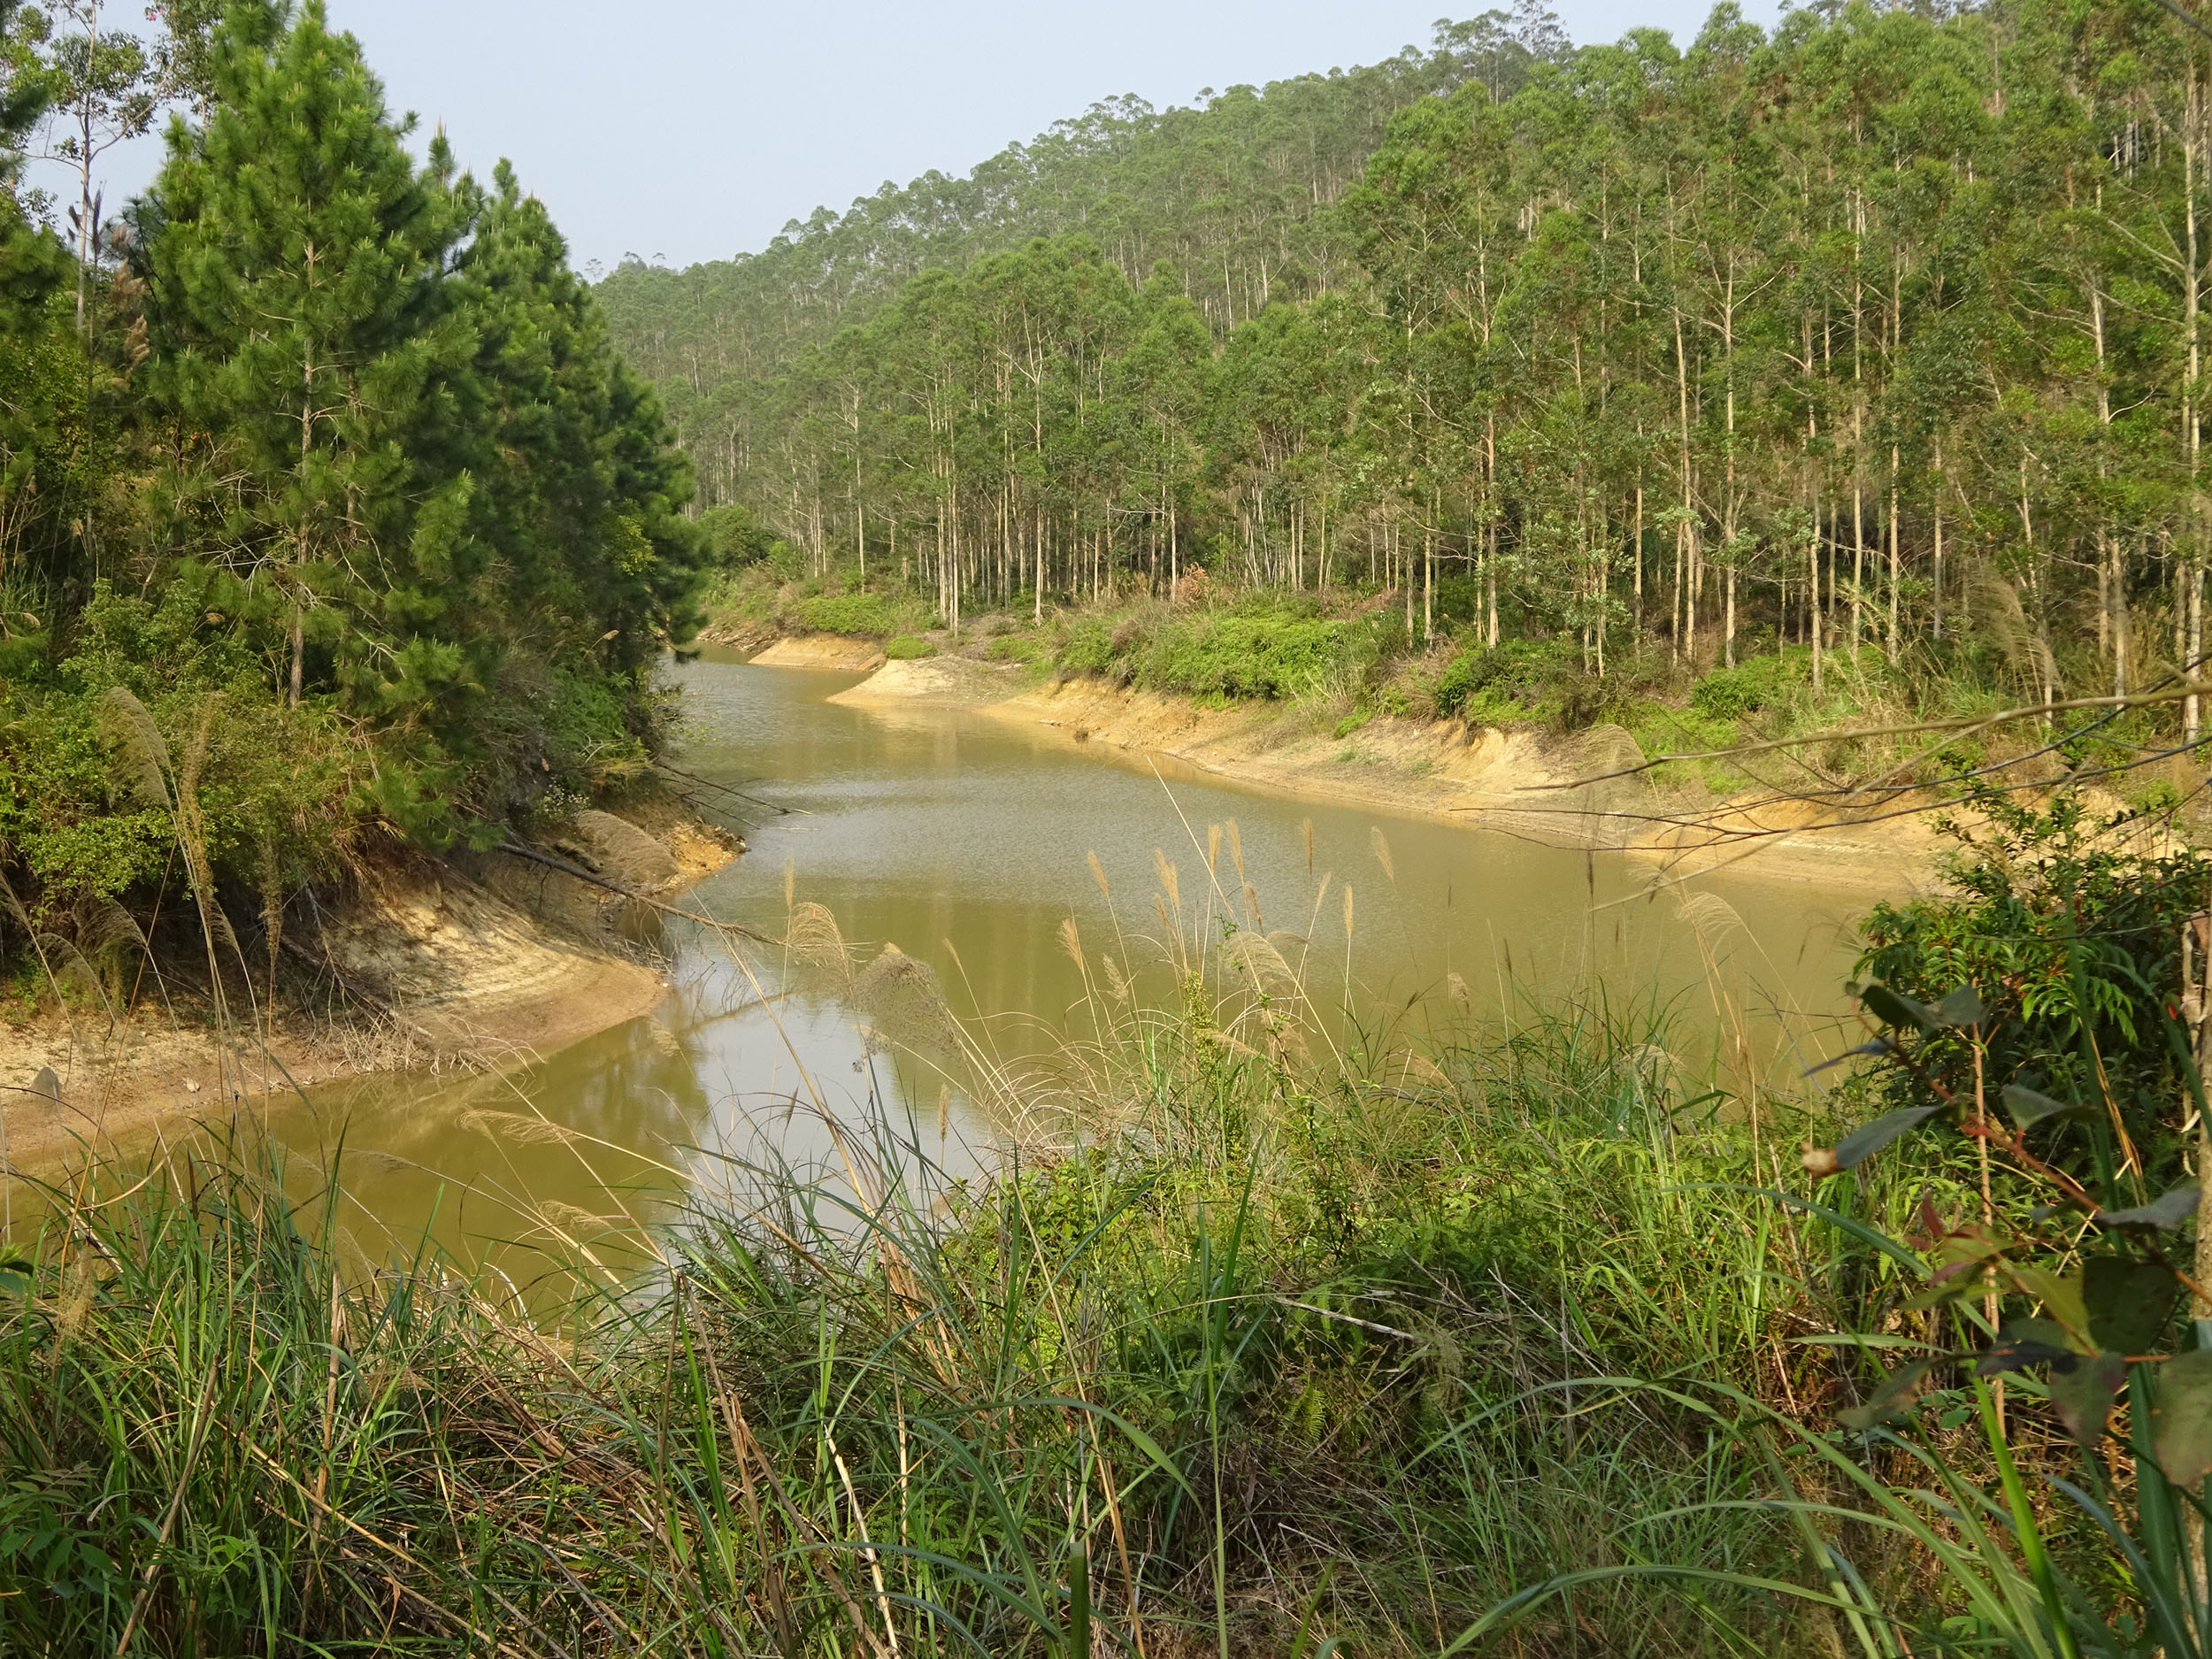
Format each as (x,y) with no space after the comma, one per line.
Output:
(823,650)
(466,970)
(1522,783)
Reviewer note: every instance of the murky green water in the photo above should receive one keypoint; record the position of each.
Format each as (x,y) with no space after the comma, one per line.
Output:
(964,840)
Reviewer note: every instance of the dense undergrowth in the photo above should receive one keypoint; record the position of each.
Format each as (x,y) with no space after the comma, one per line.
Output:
(1273,1336)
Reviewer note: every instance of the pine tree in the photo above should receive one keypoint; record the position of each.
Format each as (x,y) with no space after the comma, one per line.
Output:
(33,265)
(580,488)
(28,265)
(305,342)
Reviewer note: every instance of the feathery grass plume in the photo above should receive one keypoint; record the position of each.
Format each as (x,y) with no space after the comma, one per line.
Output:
(1710,919)
(900,998)
(790,883)
(1305,838)
(1098,874)
(1071,941)
(1252,906)
(54,947)
(1259,959)
(103,925)
(1382,853)
(10,906)
(811,939)
(1116,981)
(191,828)
(272,877)
(1348,909)
(1236,850)
(108,934)
(1213,848)
(577,1222)
(520,1127)
(13,907)
(1292,948)
(136,748)
(1168,881)
(2004,621)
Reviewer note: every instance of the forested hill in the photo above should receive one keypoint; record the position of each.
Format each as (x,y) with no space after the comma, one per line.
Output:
(1230,196)
(1880,329)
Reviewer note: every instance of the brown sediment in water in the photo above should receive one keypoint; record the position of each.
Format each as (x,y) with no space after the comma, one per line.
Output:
(429,965)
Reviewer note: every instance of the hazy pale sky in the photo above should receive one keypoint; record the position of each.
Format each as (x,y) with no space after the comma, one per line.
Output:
(682,130)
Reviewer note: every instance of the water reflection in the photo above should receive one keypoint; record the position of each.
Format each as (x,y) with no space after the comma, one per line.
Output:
(965,841)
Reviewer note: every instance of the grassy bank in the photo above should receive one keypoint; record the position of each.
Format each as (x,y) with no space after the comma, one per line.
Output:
(1273,1362)
(1273,1336)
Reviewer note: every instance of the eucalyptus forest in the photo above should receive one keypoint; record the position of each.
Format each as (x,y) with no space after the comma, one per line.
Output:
(1880,330)
(636,1010)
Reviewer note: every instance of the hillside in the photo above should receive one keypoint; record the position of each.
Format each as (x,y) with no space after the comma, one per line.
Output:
(1871,340)
(1230,196)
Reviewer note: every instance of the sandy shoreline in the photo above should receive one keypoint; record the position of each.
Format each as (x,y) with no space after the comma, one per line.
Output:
(823,650)
(1518,782)
(459,967)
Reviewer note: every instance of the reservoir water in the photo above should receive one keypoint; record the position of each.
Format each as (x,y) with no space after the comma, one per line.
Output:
(967,842)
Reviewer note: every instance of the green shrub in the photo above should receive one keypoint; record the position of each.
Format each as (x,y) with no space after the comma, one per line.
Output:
(1276,604)
(735,537)
(1751,687)
(1266,656)
(2158,795)
(1089,649)
(908,646)
(864,615)
(1458,599)
(1014,647)
(1509,678)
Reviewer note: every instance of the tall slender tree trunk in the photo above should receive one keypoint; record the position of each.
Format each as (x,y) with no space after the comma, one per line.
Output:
(1936,505)
(1858,558)
(2192,289)
(85,107)
(1812,590)
(1428,573)
(1895,576)
(1685,541)
(1638,625)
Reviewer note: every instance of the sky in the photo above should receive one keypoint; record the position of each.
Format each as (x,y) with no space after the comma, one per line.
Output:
(685,130)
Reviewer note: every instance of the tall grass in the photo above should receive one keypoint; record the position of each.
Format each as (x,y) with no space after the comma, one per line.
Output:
(1272,1334)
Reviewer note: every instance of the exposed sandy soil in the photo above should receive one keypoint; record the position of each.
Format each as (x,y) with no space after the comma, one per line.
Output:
(825,650)
(1549,788)
(453,966)
(939,681)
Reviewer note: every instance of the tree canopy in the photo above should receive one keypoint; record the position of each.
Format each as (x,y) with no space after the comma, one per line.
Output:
(340,483)
(1881,328)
